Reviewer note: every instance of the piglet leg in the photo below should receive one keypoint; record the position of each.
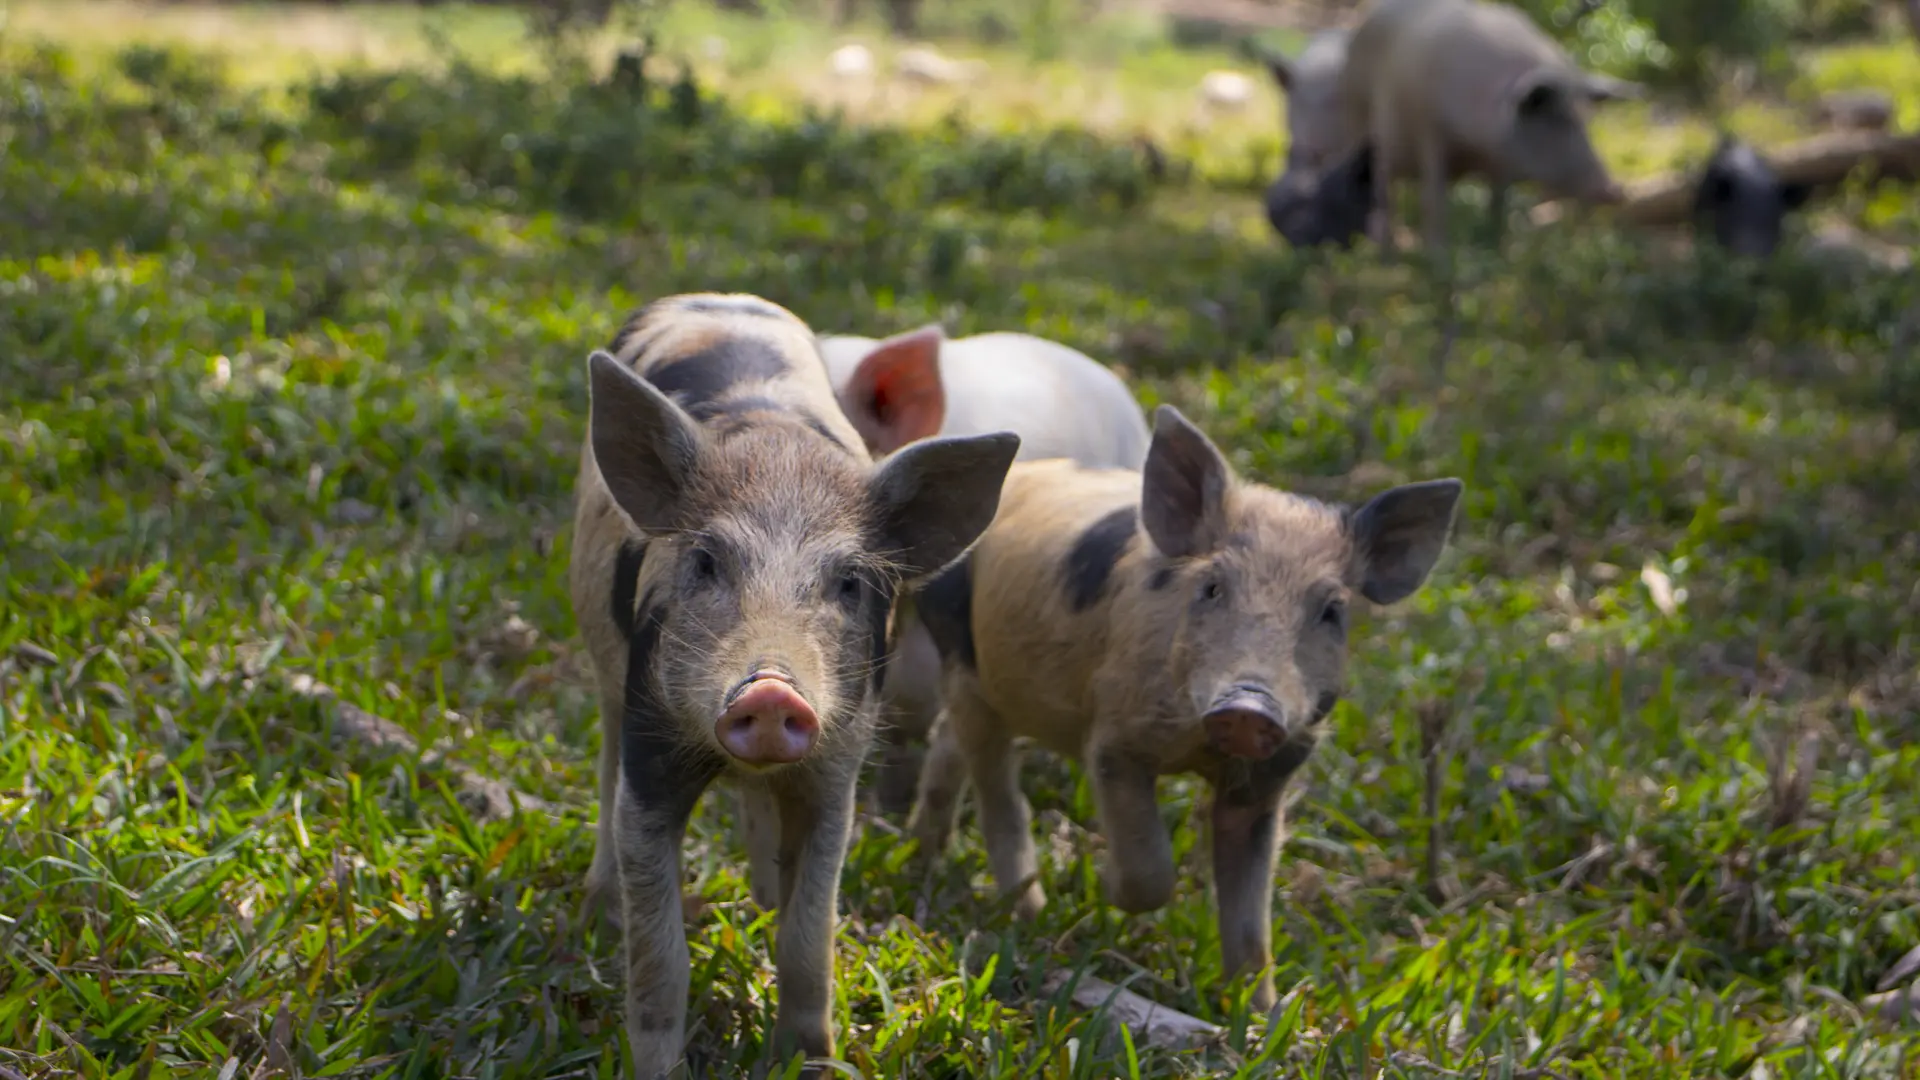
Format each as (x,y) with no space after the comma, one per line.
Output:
(1139,852)
(816,824)
(648,838)
(1247,826)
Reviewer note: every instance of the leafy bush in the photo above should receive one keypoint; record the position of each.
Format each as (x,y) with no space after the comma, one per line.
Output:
(584,147)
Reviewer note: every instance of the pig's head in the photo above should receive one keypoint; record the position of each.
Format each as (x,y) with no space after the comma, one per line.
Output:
(1548,142)
(1741,202)
(1311,84)
(772,560)
(893,394)
(1331,207)
(1258,581)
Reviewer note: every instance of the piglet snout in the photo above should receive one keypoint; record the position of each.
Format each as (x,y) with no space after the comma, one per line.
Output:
(767,721)
(1245,722)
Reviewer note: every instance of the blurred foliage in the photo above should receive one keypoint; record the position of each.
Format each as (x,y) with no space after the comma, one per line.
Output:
(293,386)
(586,147)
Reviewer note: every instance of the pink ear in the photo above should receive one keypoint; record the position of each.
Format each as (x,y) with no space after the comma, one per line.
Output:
(896,391)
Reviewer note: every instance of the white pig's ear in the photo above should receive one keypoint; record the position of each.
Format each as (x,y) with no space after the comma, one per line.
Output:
(894,396)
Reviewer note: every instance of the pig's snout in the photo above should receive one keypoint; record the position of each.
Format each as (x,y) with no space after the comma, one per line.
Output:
(1246,722)
(767,721)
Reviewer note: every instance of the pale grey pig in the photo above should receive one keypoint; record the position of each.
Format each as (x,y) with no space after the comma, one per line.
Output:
(735,561)
(1167,621)
(1061,402)
(1446,89)
(1311,84)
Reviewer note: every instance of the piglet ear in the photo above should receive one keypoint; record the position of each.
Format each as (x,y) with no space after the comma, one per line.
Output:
(894,395)
(934,498)
(645,446)
(1183,488)
(1398,536)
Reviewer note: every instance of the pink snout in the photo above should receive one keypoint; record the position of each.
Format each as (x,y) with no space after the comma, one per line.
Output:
(1244,723)
(768,722)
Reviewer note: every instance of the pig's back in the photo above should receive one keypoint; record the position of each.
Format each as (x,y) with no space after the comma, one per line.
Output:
(1039,631)
(1062,403)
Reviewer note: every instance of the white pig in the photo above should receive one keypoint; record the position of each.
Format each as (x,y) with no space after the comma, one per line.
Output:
(1061,402)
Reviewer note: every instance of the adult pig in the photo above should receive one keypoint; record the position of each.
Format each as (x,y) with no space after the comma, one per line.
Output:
(1446,89)
(1311,84)
(735,560)
(1175,620)
(1062,403)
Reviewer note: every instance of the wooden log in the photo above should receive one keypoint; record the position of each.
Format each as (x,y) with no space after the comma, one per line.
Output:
(1824,160)
(1152,1023)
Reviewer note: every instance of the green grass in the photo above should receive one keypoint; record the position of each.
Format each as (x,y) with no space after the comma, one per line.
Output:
(292,386)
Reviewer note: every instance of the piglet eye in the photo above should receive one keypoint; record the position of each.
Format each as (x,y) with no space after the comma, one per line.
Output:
(705,566)
(1334,615)
(850,588)
(1212,590)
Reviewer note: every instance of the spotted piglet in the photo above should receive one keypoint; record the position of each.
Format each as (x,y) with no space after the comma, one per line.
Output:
(736,558)
(1175,620)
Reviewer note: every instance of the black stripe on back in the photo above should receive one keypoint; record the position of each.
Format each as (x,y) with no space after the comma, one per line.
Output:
(1094,555)
(735,305)
(702,378)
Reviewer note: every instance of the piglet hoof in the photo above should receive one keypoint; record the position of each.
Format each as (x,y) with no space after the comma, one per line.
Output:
(601,901)
(1027,906)
(808,1037)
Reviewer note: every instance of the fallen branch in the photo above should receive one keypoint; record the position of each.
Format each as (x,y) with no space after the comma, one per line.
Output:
(1824,160)
(1152,1024)
(487,797)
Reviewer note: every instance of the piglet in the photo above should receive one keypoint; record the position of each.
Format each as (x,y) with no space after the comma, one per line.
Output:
(1061,402)
(1741,202)
(735,561)
(1178,620)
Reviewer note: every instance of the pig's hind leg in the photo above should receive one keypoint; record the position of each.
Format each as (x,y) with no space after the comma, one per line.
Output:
(943,779)
(1006,820)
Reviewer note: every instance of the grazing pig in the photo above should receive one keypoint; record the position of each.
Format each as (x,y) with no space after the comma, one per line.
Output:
(1309,209)
(1446,89)
(1062,403)
(1311,83)
(1171,621)
(735,561)
(1741,202)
